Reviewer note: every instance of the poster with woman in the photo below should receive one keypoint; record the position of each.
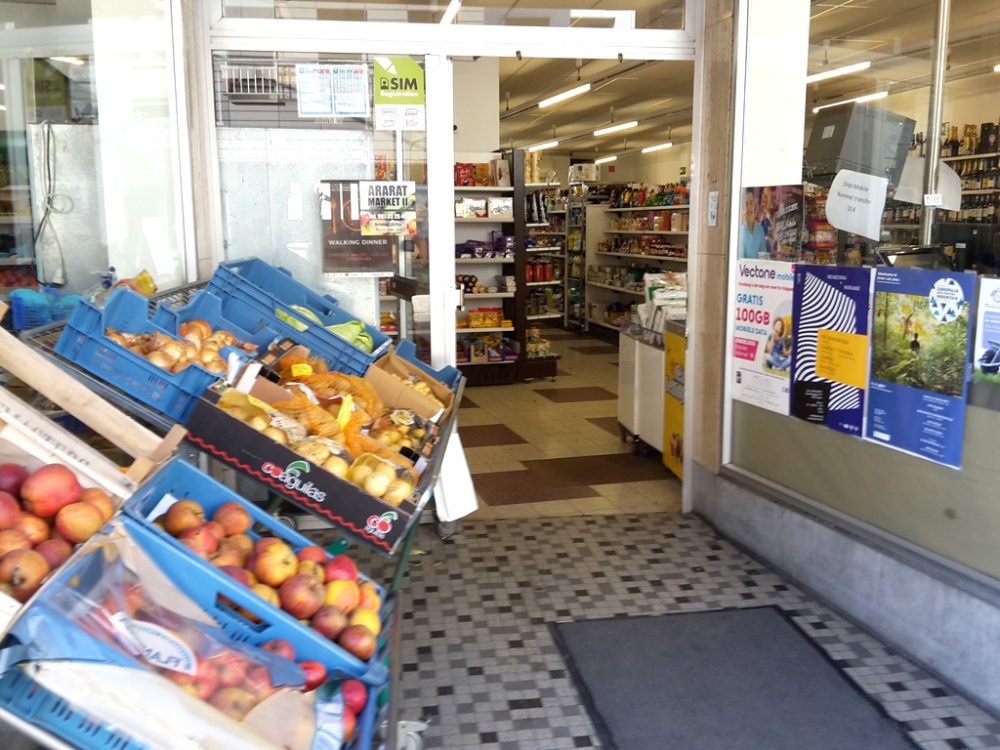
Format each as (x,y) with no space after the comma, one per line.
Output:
(771,223)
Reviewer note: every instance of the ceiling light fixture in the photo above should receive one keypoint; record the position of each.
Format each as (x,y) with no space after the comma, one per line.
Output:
(605,159)
(658,147)
(623,19)
(564,96)
(836,72)
(996,68)
(67,60)
(857,99)
(543,146)
(450,12)
(616,128)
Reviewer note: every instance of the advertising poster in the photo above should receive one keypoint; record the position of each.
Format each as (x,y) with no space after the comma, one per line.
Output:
(331,90)
(830,360)
(400,100)
(985,388)
(388,208)
(347,249)
(762,339)
(920,346)
(771,223)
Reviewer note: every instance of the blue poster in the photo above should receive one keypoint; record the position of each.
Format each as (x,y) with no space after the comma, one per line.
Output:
(919,377)
(830,362)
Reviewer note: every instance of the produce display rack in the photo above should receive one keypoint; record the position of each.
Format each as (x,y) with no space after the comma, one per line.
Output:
(43,340)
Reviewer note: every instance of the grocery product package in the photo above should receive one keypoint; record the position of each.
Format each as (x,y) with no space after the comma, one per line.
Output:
(115,638)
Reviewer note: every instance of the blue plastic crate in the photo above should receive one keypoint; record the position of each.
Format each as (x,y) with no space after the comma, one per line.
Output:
(269,289)
(233,315)
(448,375)
(30,308)
(83,342)
(180,481)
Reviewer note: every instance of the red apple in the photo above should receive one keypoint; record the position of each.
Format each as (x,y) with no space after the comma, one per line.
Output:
(315,674)
(216,530)
(234,702)
(355,695)
(237,574)
(280,647)
(341,567)
(328,622)
(25,570)
(266,593)
(232,668)
(183,515)
(12,539)
(316,554)
(227,557)
(203,536)
(264,542)
(311,568)
(10,510)
(350,724)
(202,684)
(357,640)
(369,597)
(12,476)
(48,489)
(100,500)
(258,682)
(240,542)
(77,522)
(36,529)
(233,517)
(301,595)
(275,564)
(55,551)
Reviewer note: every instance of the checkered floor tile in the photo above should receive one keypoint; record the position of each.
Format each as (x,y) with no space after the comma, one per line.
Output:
(481,666)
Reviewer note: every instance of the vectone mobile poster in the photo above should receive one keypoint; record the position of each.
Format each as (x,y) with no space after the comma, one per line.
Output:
(985,387)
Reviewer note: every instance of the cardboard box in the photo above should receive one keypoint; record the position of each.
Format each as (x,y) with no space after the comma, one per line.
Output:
(396,393)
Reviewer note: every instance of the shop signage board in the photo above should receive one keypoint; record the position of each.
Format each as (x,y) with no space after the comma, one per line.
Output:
(332,90)
(388,208)
(399,94)
(350,243)
(830,359)
(985,387)
(762,339)
(921,333)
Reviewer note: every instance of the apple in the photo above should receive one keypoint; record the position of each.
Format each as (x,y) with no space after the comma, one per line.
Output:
(48,489)
(301,595)
(203,536)
(266,593)
(77,522)
(202,684)
(275,564)
(196,547)
(329,622)
(341,567)
(355,695)
(55,551)
(25,570)
(183,515)
(342,594)
(100,500)
(350,723)
(12,539)
(233,517)
(358,640)
(232,668)
(314,553)
(240,542)
(367,618)
(280,647)
(315,674)
(264,542)
(237,574)
(234,702)
(227,557)
(36,529)
(258,683)
(369,597)
(311,568)
(12,476)
(10,510)
(216,530)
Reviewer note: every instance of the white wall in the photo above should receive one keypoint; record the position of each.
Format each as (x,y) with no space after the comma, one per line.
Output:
(961,105)
(477,104)
(657,167)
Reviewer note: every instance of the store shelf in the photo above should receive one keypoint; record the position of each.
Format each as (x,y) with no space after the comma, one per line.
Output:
(634,232)
(386,298)
(477,364)
(642,257)
(913,227)
(16,260)
(546,234)
(556,211)
(614,288)
(544,250)
(483,261)
(540,185)
(984,191)
(487,220)
(649,208)
(552,255)
(482,189)
(538,224)
(460,331)
(602,324)
(544,316)
(970,156)
(544,283)
(489,295)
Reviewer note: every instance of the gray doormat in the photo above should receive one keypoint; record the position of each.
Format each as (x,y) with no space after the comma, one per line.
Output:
(742,679)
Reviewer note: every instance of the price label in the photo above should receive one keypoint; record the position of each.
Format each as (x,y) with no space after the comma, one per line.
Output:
(933,199)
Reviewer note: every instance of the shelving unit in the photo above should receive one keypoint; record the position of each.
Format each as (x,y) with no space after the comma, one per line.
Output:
(549,225)
(576,217)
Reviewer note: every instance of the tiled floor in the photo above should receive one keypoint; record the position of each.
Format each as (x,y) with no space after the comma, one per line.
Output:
(479,662)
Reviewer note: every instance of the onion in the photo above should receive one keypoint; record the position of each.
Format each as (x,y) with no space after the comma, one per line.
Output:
(116,337)
(179,365)
(202,326)
(207,355)
(159,341)
(189,351)
(216,365)
(159,359)
(173,350)
(193,337)
(225,337)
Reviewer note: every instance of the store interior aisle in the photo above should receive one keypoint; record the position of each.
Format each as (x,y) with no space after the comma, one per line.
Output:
(545,448)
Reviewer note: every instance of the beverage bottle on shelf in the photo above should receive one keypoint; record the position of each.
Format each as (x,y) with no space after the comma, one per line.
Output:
(641,199)
(952,144)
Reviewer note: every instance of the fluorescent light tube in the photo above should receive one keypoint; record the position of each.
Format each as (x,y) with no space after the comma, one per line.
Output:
(543,146)
(844,71)
(996,68)
(616,128)
(857,99)
(605,159)
(67,60)
(564,96)
(658,147)
(450,12)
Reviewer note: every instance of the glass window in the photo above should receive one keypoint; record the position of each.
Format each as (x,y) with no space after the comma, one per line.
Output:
(89,158)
